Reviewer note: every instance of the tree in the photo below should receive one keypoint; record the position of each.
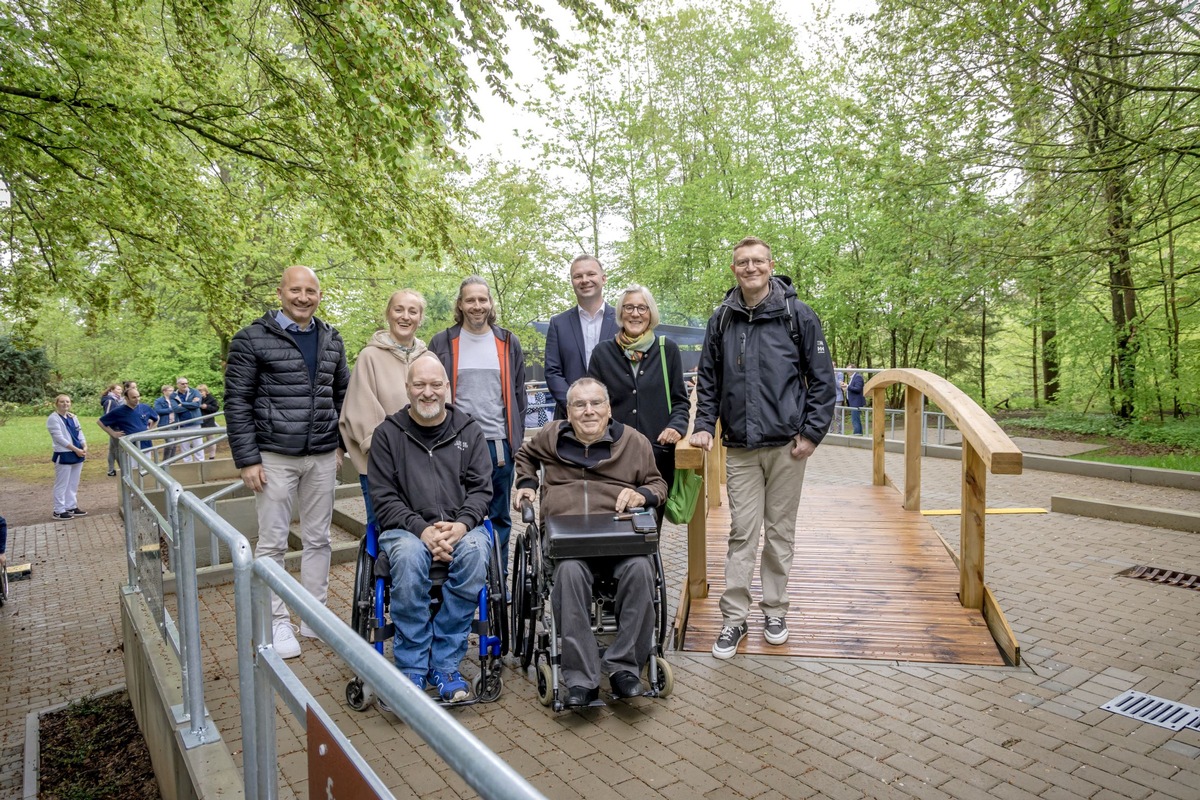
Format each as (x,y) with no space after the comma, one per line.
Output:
(144,145)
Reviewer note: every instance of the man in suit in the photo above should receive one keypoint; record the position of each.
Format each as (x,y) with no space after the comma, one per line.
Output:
(575,332)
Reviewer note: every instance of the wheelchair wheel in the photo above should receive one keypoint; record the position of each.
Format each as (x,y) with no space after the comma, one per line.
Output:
(666,677)
(522,597)
(497,612)
(358,695)
(487,686)
(3,586)
(360,606)
(544,686)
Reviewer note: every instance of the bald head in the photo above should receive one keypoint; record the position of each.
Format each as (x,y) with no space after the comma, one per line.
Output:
(299,294)
(428,386)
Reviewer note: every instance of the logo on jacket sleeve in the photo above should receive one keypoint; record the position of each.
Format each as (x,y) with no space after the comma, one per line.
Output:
(821,347)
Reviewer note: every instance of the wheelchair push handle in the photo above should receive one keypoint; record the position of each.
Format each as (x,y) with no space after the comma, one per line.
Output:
(526,511)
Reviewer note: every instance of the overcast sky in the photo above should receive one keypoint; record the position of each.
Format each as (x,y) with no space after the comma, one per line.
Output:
(497,138)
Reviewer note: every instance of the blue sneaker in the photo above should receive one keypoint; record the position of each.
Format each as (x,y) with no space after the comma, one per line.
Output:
(450,685)
(417,678)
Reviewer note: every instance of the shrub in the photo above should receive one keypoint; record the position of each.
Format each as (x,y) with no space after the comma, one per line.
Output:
(24,373)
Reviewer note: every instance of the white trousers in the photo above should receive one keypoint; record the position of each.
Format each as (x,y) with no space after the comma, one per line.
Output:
(66,484)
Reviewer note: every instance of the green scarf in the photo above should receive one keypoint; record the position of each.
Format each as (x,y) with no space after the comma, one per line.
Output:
(635,349)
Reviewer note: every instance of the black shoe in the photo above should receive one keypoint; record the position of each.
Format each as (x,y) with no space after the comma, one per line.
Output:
(78,512)
(580,696)
(63,515)
(625,684)
(112,473)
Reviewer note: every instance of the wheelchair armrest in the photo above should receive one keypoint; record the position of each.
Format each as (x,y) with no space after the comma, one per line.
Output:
(526,511)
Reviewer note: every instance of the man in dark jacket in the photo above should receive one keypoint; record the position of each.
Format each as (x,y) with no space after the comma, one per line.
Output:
(284,385)
(431,482)
(766,372)
(487,381)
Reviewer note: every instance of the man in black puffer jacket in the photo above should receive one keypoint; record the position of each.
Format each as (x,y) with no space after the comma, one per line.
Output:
(284,385)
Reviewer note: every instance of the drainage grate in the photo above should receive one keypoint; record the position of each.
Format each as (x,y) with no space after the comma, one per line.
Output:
(1159,575)
(1155,710)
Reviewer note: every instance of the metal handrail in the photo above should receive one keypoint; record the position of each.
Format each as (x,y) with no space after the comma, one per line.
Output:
(261,672)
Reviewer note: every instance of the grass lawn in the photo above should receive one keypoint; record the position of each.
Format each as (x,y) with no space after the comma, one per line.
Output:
(25,449)
(1189,462)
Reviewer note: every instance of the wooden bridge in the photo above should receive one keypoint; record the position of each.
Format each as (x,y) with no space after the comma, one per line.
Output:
(878,583)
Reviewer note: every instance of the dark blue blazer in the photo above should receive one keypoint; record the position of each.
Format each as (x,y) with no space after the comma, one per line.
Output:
(565,362)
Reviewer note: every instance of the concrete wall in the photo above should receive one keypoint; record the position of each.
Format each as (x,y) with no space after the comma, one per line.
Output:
(153,680)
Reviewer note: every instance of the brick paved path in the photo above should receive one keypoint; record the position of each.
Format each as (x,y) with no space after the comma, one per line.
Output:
(755,726)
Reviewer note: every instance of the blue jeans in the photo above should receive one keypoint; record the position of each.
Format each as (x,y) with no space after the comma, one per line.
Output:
(422,644)
(500,510)
(856,421)
(362,481)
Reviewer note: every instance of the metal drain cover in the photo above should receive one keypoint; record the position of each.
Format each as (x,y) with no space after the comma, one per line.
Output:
(1171,577)
(1155,710)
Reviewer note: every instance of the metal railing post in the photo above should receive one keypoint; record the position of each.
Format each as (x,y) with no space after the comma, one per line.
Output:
(188,600)
(264,693)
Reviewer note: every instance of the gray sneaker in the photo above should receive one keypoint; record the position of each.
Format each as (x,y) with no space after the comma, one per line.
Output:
(775,631)
(728,640)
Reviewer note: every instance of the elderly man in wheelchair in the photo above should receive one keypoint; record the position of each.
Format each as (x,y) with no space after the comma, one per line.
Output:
(430,478)
(593,465)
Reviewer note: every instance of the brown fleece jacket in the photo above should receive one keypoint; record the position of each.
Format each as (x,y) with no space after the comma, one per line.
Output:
(572,489)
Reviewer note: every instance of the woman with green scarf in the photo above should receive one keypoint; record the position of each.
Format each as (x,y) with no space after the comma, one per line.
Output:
(644,376)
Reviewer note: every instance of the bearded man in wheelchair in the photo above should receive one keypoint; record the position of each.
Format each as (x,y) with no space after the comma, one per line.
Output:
(591,464)
(430,477)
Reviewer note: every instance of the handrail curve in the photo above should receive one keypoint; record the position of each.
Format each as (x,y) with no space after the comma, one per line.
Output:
(991,444)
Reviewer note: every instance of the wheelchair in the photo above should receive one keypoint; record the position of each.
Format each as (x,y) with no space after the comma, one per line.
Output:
(370,617)
(532,575)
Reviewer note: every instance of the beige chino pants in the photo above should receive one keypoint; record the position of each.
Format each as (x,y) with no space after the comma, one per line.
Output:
(764,492)
(311,480)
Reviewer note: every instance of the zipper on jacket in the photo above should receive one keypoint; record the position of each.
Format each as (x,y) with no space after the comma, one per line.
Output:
(742,349)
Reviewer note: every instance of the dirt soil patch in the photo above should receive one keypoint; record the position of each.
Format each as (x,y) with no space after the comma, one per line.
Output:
(32,502)
(93,749)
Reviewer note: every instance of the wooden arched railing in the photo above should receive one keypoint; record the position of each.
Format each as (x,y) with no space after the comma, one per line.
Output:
(985,448)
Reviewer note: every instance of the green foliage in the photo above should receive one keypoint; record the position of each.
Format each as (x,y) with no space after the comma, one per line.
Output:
(24,372)
(192,151)
(1182,434)
(1187,462)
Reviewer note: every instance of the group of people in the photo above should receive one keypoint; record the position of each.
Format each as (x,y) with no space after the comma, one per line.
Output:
(436,434)
(123,414)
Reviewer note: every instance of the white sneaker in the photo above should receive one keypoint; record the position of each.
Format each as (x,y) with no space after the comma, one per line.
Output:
(284,636)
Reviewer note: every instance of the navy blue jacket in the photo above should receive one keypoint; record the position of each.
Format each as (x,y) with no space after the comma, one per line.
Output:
(565,362)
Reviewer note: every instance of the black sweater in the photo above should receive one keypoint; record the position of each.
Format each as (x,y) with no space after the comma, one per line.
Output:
(641,402)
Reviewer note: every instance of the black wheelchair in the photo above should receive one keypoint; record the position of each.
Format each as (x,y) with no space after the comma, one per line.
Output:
(535,638)
(370,618)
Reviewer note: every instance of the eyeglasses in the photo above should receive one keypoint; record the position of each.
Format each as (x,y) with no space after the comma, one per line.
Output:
(628,309)
(742,263)
(580,405)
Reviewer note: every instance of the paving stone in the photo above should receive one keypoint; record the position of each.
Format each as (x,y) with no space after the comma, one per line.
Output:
(831,729)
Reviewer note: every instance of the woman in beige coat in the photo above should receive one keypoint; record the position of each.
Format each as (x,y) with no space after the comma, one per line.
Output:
(376,387)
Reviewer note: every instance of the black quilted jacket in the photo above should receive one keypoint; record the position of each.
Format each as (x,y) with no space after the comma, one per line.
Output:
(270,403)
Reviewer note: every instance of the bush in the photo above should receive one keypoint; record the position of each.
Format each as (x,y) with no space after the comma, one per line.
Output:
(1182,434)
(84,394)
(24,373)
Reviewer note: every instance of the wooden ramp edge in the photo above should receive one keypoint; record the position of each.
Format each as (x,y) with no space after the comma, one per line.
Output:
(869,580)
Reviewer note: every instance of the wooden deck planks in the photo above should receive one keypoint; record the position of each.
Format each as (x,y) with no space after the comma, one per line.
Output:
(869,580)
